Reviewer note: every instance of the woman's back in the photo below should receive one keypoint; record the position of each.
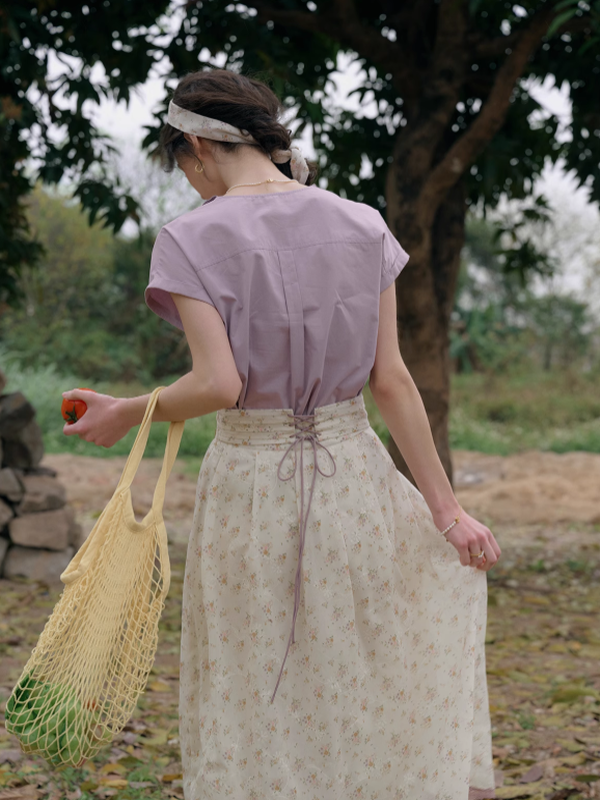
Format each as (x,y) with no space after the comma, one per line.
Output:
(296,277)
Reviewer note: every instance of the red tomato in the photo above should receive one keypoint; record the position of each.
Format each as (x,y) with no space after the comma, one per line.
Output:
(73,410)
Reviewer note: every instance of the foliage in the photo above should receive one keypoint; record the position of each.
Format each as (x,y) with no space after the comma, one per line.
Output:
(294,44)
(297,43)
(47,53)
(499,323)
(559,326)
(84,309)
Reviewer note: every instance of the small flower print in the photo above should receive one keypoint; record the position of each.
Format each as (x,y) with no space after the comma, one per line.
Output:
(378,676)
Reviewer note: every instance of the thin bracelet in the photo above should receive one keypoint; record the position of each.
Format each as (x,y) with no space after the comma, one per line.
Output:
(452,524)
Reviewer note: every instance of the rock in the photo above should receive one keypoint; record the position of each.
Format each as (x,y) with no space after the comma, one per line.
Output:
(6,513)
(37,565)
(11,485)
(48,529)
(76,534)
(26,449)
(3,548)
(42,493)
(15,412)
(2,381)
(42,470)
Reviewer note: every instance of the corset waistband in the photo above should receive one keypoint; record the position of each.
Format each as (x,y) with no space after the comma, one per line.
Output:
(275,427)
(281,429)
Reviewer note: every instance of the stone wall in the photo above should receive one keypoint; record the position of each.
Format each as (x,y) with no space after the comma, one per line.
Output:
(38,531)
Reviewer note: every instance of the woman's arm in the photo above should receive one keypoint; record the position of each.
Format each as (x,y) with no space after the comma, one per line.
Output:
(402,409)
(213,383)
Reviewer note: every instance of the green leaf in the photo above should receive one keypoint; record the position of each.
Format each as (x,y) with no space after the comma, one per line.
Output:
(560,20)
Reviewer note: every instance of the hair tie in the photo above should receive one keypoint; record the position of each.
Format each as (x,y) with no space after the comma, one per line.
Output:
(297,161)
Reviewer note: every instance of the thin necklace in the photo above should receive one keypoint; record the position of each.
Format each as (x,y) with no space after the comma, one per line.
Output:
(269,180)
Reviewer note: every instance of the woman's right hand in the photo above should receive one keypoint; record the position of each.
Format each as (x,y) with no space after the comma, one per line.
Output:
(469,536)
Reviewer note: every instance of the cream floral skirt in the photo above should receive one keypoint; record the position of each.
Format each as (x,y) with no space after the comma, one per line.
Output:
(383,692)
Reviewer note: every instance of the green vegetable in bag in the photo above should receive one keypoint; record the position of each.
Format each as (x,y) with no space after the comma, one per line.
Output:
(50,719)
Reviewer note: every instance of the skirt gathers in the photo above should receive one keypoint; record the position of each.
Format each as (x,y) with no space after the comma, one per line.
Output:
(383,693)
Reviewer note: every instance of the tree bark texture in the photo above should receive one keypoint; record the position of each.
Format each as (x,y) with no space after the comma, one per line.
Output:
(425,296)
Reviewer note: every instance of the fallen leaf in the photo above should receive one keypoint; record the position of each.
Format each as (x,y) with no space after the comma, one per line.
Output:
(570,694)
(589,778)
(533,774)
(171,776)
(159,686)
(557,647)
(160,737)
(119,768)
(536,599)
(22,793)
(575,760)
(113,783)
(510,792)
(11,755)
(519,676)
(129,761)
(553,721)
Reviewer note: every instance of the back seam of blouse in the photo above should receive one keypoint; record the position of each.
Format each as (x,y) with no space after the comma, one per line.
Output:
(281,249)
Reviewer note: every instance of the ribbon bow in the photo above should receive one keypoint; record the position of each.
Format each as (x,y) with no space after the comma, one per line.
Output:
(297,161)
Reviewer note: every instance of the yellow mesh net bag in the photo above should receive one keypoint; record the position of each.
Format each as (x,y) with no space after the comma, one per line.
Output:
(82,681)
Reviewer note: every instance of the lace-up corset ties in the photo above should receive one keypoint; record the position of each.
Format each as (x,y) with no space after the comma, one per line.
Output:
(305,433)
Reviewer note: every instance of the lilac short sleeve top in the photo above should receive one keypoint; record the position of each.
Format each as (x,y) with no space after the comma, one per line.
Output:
(296,278)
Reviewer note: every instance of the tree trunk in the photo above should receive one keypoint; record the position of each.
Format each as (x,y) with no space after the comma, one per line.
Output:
(425,296)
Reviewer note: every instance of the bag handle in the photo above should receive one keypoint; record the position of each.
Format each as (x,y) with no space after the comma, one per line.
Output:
(89,549)
(137,451)
(172,448)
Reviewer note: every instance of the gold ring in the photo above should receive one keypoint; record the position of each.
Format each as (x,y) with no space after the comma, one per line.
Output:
(477,555)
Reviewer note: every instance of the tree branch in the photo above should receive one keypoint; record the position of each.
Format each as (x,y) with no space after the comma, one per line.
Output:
(498,45)
(488,48)
(442,85)
(491,117)
(344,24)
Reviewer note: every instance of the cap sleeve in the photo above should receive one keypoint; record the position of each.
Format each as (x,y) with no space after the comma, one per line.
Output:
(394,259)
(171,271)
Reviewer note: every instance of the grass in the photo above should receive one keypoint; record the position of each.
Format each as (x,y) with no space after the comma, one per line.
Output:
(44,387)
(496,414)
(510,413)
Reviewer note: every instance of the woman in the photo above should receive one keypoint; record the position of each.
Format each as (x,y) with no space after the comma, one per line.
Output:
(333,614)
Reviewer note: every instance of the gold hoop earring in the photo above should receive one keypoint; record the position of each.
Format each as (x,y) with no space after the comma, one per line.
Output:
(199,171)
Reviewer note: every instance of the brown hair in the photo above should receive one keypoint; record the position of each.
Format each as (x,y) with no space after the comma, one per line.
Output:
(241,101)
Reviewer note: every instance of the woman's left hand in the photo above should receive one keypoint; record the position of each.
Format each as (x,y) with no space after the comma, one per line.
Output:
(104,423)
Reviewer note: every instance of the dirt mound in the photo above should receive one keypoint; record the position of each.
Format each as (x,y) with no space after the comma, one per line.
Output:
(530,487)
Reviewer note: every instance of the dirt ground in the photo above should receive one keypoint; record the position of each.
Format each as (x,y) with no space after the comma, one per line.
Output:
(542,643)
(532,498)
